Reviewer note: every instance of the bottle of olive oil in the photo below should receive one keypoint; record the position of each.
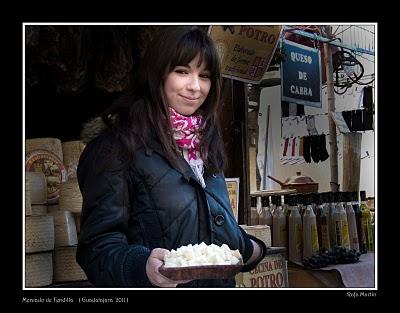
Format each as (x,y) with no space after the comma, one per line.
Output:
(295,233)
(253,211)
(362,241)
(343,221)
(332,225)
(366,221)
(323,223)
(279,225)
(310,234)
(351,220)
(265,216)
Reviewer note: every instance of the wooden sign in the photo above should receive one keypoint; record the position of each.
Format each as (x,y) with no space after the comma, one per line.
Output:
(271,272)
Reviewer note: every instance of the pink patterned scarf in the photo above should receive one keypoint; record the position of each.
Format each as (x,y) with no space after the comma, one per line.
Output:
(187,136)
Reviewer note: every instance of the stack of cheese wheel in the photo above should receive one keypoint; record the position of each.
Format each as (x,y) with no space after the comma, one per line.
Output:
(37,192)
(64,229)
(28,206)
(71,152)
(45,155)
(39,243)
(50,144)
(66,269)
(70,195)
(38,269)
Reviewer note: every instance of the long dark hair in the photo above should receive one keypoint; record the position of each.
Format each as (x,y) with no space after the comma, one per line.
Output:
(142,113)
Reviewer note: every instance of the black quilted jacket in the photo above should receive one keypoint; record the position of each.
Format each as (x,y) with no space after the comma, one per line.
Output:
(126,213)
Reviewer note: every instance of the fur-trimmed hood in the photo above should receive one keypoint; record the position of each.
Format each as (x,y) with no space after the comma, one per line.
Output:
(91,129)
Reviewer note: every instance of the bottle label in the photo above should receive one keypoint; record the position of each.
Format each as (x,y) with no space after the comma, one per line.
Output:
(338,228)
(325,237)
(345,234)
(314,238)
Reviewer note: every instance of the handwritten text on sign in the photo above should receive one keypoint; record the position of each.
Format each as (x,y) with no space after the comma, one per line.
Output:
(245,51)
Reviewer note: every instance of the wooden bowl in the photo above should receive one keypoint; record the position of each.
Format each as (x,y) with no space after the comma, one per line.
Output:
(201,272)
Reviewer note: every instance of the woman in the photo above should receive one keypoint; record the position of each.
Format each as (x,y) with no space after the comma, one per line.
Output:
(152,181)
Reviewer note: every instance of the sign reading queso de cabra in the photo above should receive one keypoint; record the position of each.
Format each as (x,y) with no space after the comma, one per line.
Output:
(301,74)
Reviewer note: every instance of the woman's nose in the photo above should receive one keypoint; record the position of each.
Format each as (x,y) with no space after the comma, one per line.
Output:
(194,83)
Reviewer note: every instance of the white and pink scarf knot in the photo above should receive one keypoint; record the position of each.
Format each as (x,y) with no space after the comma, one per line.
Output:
(187,135)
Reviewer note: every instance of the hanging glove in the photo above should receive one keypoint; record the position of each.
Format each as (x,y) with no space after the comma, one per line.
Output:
(347,118)
(306,149)
(356,120)
(314,148)
(323,152)
(367,118)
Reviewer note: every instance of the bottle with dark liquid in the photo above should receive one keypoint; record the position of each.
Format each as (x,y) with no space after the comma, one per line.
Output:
(265,216)
(362,242)
(279,225)
(253,211)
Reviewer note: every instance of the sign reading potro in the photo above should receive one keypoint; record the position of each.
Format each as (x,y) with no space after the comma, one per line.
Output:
(271,272)
(245,51)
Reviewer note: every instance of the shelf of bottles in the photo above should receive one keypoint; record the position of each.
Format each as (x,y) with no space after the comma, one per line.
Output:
(318,229)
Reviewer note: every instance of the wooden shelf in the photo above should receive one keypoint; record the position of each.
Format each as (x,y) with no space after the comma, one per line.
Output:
(278,192)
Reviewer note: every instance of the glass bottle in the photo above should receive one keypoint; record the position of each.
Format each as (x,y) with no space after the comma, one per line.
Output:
(351,220)
(279,226)
(310,234)
(366,221)
(358,216)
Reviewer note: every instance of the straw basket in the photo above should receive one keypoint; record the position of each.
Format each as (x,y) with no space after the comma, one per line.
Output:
(38,269)
(64,229)
(65,266)
(53,208)
(70,196)
(39,233)
(37,187)
(71,152)
(28,209)
(39,209)
(50,144)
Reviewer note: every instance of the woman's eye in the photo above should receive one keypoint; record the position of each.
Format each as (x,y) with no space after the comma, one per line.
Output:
(205,76)
(179,71)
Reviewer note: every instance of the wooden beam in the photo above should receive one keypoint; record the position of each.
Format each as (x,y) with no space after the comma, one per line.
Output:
(351,161)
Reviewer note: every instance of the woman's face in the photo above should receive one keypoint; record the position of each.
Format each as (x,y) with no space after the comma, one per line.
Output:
(187,86)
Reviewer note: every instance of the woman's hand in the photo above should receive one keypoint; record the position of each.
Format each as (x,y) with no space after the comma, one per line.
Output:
(155,260)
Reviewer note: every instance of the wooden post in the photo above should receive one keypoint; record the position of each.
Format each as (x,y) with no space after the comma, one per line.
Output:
(331,108)
(235,134)
(351,161)
(254,96)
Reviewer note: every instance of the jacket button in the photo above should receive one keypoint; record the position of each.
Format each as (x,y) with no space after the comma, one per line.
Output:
(219,220)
